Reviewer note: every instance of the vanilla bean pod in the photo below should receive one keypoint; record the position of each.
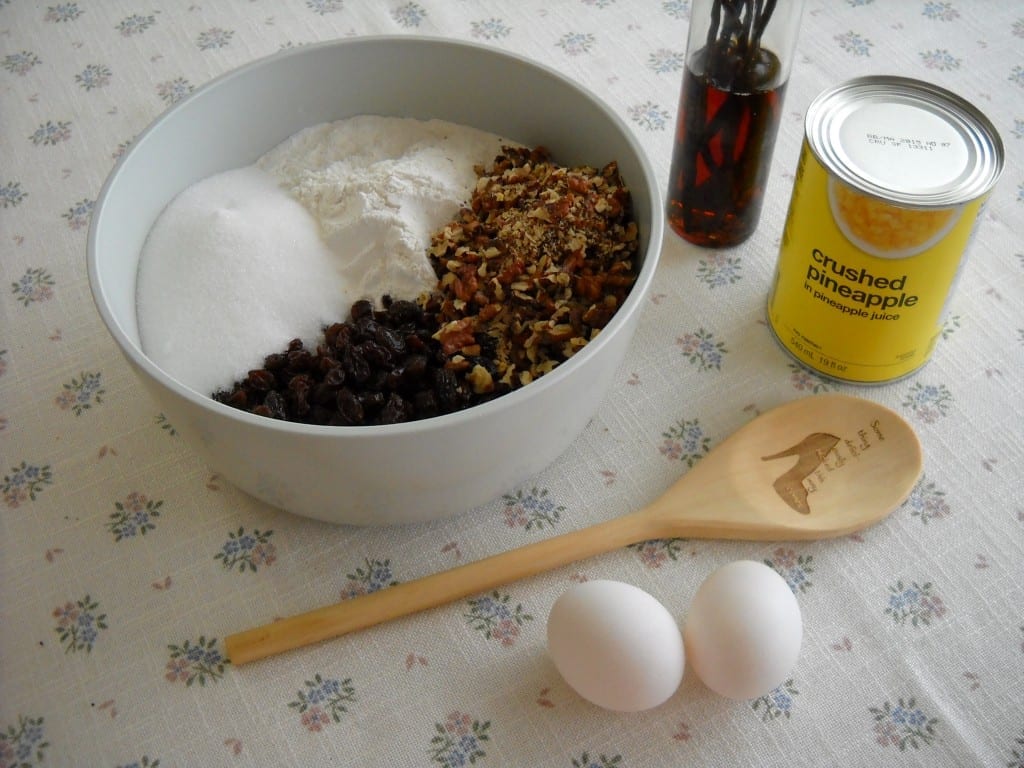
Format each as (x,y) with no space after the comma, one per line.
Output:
(730,104)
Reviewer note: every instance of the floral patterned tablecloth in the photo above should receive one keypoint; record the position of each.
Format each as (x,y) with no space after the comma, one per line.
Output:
(124,561)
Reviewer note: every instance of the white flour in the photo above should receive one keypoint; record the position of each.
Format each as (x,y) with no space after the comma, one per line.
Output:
(244,261)
(379,188)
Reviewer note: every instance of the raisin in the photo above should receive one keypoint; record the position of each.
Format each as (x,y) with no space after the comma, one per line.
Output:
(299,359)
(321,414)
(390,339)
(299,387)
(275,361)
(335,375)
(365,327)
(361,308)
(372,400)
(339,335)
(274,402)
(355,365)
(406,312)
(260,380)
(414,343)
(323,361)
(425,403)
(237,399)
(377,355)
(349,408)
(411,376)
(446,386)
(378,380)
(396,410)
(322,394)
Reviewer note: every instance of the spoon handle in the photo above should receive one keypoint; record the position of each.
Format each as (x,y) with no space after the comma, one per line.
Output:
(431,591)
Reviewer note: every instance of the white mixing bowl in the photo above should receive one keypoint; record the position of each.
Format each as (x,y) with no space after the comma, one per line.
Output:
(372,475)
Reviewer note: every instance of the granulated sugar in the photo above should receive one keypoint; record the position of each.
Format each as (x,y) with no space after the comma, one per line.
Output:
(242,262)
(234,264)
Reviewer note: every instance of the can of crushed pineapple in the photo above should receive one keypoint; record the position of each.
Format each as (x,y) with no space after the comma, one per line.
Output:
(890,186)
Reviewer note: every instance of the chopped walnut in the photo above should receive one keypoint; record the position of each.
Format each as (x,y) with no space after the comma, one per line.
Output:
(534,267)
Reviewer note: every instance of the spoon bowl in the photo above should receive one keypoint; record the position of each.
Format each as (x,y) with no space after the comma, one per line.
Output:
(814,468)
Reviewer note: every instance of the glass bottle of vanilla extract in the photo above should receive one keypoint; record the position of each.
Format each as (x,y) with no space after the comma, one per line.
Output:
(738,59)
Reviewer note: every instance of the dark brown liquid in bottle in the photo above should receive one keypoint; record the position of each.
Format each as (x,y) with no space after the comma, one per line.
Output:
(723,149)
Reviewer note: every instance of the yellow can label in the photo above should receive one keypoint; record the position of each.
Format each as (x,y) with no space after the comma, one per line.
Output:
(862,285)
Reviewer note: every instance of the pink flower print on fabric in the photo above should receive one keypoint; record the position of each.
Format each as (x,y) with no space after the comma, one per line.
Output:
(198,661)
(914,604)
(247,551)
(701,349)
(776,703)
(656,552)
(322,701)
(459,741)
(685,441)
(134,516)
(531,510)
(370,577)
(794,568)
(903,725)
(35,285)
(586,760)
(81,393)
(928,402)
(926,502)
(23,744)
(494,616)
(79,624)
(24,483)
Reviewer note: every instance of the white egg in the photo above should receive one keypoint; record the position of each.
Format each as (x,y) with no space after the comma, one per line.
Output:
(743,630)
(616,645)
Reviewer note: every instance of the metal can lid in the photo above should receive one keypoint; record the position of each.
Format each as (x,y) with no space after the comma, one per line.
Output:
(905,141)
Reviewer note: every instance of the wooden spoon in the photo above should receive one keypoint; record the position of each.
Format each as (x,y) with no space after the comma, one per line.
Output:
(814,468)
